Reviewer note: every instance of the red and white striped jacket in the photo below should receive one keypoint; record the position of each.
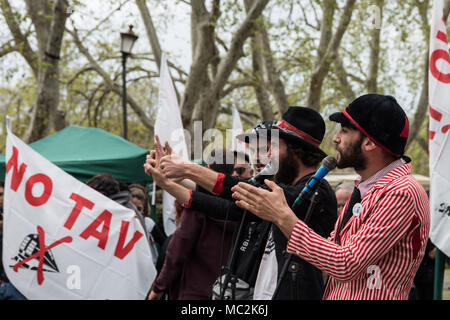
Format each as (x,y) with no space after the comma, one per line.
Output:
(380,249)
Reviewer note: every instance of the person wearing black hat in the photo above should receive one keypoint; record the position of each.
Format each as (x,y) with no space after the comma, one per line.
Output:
(381,235)
(250,246)
(300,132)
(258,140)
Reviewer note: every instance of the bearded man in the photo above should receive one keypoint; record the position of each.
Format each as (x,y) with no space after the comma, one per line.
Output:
(381,235)
(298,152)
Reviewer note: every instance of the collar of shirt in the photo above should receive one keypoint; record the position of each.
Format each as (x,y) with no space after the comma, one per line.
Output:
(365,185)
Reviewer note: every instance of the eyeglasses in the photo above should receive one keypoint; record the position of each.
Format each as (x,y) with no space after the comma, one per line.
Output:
(240,170)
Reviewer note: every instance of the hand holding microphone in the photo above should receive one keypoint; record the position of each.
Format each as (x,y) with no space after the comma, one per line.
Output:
(268,171)
(328,164)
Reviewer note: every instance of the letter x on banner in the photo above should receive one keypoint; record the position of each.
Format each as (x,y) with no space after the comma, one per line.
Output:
(54,224)
(439,146)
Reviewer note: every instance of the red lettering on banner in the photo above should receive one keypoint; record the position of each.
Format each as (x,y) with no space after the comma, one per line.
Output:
(80,203)
(41,253)
(441,36)
(440,54)
(121,250)
(48,188)
(436,115)
(102,236)
(17,175)
(445,128)
(435,56)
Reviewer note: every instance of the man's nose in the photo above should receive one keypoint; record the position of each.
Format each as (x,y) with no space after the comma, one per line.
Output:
(337,138)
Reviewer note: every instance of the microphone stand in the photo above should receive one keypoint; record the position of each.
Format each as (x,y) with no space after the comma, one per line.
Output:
(311,207)
(230,277)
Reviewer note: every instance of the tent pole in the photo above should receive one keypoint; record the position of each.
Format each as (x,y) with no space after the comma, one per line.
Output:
(439,266)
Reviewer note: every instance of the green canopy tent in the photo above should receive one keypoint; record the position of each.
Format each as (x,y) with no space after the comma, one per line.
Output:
(85,152)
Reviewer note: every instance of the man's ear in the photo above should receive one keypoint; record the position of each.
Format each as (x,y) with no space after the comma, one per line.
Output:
(368,145)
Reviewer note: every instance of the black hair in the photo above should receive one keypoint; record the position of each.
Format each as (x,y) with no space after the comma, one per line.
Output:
(310,158)
(141,193)
(241,155)
(221,165)
(105,183)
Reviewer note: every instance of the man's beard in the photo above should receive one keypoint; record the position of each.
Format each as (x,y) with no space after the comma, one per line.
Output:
(287,169)
(352,157)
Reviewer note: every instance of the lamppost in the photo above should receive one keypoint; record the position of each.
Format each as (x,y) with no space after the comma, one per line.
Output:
(127,41)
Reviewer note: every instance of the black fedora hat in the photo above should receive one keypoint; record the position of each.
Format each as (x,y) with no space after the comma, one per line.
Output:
(304,127)
(263,126)
(380,118)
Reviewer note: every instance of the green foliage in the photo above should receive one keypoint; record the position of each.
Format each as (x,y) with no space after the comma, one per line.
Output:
(293,28)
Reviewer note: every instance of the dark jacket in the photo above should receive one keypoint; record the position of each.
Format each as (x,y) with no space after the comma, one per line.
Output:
(250,245)
(193,257)
(307,283)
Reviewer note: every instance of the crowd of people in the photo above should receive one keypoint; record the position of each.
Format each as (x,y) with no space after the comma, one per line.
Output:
(243,234)
(366,241)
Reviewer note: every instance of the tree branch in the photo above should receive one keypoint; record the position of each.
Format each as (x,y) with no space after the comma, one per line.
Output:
(206,108)
(111,85)
(374,61)
(326,57)
(20,40)
(7,48)
(342,74)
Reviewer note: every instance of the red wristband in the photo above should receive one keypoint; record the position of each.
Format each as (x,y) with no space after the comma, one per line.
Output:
(190,200)
(218,187)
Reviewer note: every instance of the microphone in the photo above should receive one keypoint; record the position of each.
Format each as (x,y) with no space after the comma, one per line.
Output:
(258,179)
(328,164)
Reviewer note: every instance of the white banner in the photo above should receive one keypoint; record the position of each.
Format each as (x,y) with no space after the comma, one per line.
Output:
(169,127)
(64,240)
(439,144)
(237,128)
(236,144)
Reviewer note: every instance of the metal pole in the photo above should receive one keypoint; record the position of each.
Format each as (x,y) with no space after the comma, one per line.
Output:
(439,266)
(124,95)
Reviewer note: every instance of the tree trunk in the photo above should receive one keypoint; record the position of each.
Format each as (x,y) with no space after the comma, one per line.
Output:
(44,114)
(326,57)
(276,86)
(203,26)
(372,78)
(341,74)
(260,90)
(259,87)
(206,108)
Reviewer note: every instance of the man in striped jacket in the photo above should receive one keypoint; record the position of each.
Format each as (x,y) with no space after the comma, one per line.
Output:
(380,236)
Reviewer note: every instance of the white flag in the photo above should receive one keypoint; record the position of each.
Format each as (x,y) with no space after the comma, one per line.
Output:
(439,143)
(237,128)
(64,240)
(169,127)
(236,144)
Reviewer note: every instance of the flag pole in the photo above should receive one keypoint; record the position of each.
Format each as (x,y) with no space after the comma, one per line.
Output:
(439,266)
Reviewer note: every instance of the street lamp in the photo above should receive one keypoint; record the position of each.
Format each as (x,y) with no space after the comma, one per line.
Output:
(127,41)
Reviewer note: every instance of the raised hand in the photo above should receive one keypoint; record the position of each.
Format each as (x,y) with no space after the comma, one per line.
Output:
(269,206)
(152,164)
(173,166)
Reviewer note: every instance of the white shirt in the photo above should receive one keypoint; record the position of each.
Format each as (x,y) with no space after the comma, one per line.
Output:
(266,280)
